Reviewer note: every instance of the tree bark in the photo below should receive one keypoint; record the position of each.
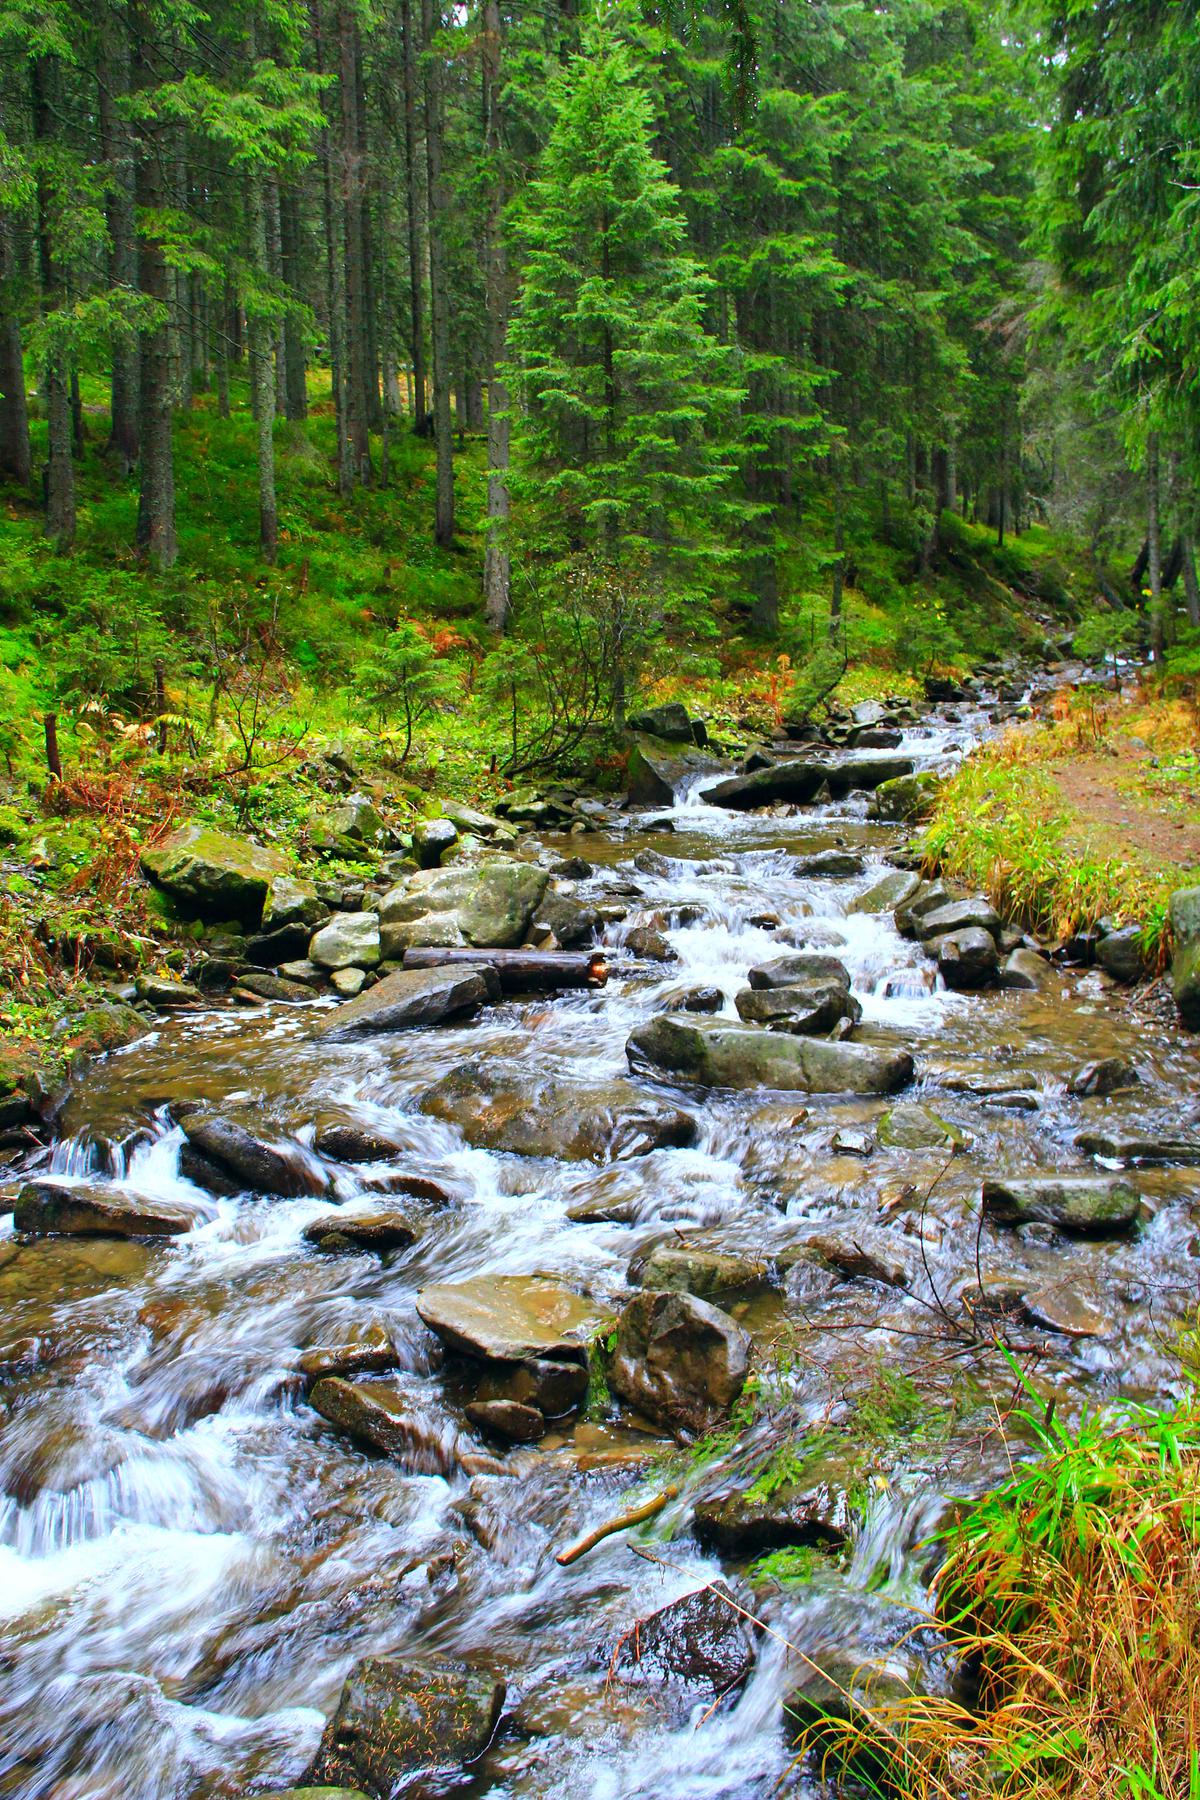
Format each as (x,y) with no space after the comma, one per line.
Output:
(53,760)
(416,285)
(116,147)
(439,294)
(1191,586)
(1158,624)
(351,158)
(839,567)
(335,286)
(295,387)
(16,455)
(497,561)
(156,539)
(60,467)
(262,378)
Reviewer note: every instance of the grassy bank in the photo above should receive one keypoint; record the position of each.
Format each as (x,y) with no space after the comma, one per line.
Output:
(1093,814)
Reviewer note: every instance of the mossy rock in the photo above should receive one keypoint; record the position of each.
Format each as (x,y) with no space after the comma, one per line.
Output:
(213,874)
(908,799)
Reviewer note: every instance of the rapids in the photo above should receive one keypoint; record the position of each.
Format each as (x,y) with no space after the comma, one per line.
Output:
(191,1559)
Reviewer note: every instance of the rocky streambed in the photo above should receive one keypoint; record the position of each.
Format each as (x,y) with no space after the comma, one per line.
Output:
(328,1325)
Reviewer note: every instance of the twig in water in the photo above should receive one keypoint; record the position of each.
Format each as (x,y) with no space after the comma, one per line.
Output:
(649,1509)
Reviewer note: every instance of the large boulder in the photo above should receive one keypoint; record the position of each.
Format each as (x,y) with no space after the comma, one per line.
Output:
(905,799)
(966,959)
(669,722)
(246,1163)
(795,783)
(679,1360)
(348,941)
(490,906)
(1185,967)
(528,1116)
(1087,1205)
(411,998)
(431,839)
(212,874)
(511,1318)
(866,773)
(739,1056)
(655,769)
(397,1720)
(799,971)
(975,914)
(289,902)
(889,892)
(50,1205)
(355,818)
(1120,954)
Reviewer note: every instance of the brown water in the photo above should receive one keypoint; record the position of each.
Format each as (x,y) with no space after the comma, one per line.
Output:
(190,1559)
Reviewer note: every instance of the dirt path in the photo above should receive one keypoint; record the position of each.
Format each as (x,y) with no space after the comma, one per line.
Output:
(1119,821)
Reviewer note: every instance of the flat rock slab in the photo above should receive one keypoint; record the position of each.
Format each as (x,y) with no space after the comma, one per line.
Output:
(411,998)
(795,783)
(92,1209)
(1088,1205)
(798,971)
(679,1360)
(529,1116)
(730,1056)
(1115,1146)
(512,1318)
(383,1228)
(397,1719)
(367,1350)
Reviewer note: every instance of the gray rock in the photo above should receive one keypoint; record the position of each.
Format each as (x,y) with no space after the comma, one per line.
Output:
(679,1360)
(398,1720)
(1130,1148)
(604,1122)
(806,1011)
(431,839)
(907,799)
(1120,954)
(273,987)
(348,941)
(512,1318)
(702,1641)
(696,1000)
(670,722)
(291,901)
(866,773)
(50,1206)
(887,894)
(794,783)
(349,983)
(212,874)
(682,1268)
(381,1415)
(1088,1205)
(911,1126)
(655,769)
(738,1056)
(411,998)
(928,897)
(1025,970)
(490,906)
(966,959)
(836,865)
(165,991)
(798,970)
(355,817)
(862,1252)
(302,971)
(254,1165)
(468,819)
(572,922)
(959,915)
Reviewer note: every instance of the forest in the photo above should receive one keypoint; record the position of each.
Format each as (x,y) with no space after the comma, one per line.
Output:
(599,899)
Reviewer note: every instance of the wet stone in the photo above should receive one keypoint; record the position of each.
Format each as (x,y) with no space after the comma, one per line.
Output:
(397,1719)
(682,1268)
(511,1420)
(352,1140)
(256,1166)
(696,1000)
(1066,1312)
(650,945)
(865,1252)
(511,1318)
(166,991)
(1108,1075)
(382,1228)
(273,987)
(95,1209)
(966,959)
(834,865)
(679,1360)
(805,1011)
(740,1057)
(1133,1147)
(606,1122)
(958,915)
(412,998)
(886,894)
(911,1126)
(747,1522)
(799,970)
(382,1416)
(1089,1205)
(366,1351)
(555,1388)
(702,1640)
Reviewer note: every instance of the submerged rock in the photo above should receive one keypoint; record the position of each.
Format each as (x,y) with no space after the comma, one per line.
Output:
(554,1387)
(48,1206)
(382,1416)
(412,998)
(702,1640)
(1132,1147)
(810,1509)
(834,865)
(398,1719)
(252,1164)
(212,874)
(532,1117)
(738,1056)
(679,1360)
(383,1228)
(512,1318)
(1090,1205)
(863,1252)
(351,1140)
(911,1126)
(1107,1075)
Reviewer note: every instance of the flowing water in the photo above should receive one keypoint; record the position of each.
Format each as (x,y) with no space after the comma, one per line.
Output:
(191,1560)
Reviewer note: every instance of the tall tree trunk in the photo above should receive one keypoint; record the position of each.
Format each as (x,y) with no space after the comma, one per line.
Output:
(839,567)
(416,285)
(1158,623)
(335,271)
(116,147)
(351,153)
(1191,586)
(262,376)
(156,499)
(295,389)
(439,295)
(60,466)
(16,456)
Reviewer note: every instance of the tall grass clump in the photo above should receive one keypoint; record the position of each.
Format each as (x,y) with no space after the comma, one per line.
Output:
(1072,1596)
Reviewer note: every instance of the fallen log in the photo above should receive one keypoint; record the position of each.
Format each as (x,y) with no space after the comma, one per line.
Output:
(521,971)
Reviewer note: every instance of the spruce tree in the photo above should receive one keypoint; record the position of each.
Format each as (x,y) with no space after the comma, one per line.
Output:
(624,400)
